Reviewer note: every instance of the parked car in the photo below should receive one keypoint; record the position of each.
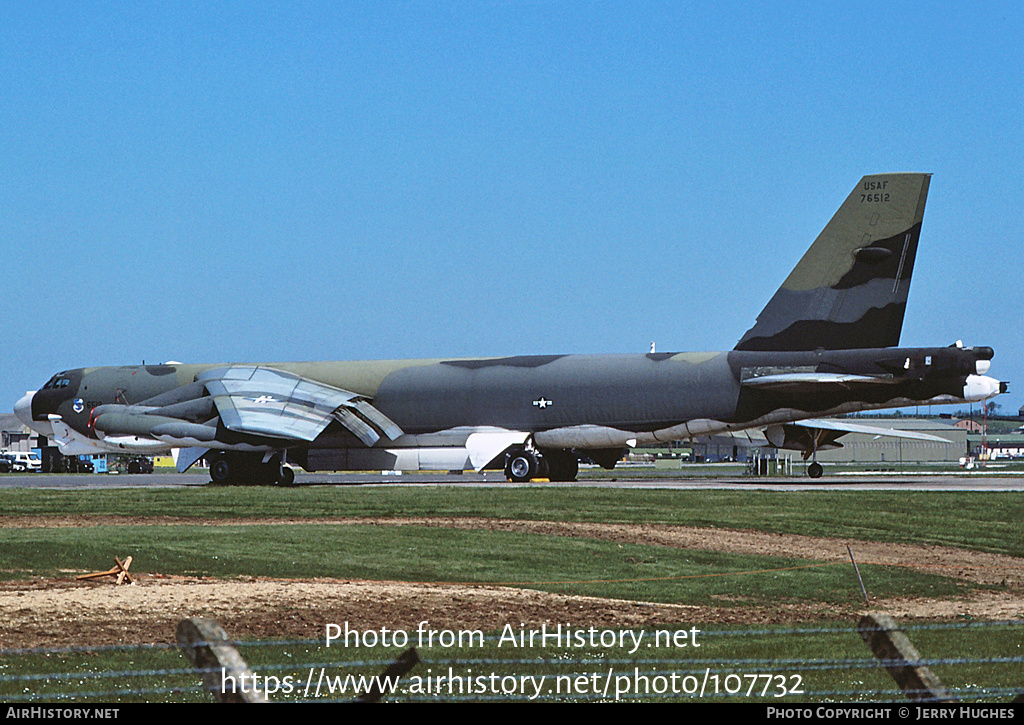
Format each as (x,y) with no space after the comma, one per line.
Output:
(74,464)
(23,461)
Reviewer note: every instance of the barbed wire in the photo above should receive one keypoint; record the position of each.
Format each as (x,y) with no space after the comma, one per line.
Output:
(739,632)
(183,681)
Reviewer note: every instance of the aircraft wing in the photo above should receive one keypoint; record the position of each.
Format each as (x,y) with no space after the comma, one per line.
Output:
(269,402)
(817,434)
(844,426)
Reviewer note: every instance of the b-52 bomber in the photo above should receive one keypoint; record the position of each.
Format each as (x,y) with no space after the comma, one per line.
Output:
(826,344)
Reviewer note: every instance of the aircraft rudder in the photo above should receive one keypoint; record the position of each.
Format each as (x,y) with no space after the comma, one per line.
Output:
(850,288)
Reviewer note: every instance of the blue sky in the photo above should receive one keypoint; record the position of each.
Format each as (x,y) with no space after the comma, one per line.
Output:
(214,182)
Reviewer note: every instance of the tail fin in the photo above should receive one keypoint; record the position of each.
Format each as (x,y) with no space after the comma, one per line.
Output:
(850,288)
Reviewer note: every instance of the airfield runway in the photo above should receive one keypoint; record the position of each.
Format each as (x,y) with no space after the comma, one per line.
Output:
(626,479)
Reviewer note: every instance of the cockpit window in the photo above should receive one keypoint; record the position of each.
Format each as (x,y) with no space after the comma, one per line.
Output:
(57,381)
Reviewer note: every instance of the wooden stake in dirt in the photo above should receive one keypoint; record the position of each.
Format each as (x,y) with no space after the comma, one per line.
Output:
(225,674)
(120,571)
(401,666)
(895,650)
(229,679)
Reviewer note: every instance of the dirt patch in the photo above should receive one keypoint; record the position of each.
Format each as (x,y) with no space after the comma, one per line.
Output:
(66,612)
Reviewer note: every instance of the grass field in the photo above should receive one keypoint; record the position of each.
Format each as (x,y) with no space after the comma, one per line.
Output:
(297,533)
(983,521)
(427,554)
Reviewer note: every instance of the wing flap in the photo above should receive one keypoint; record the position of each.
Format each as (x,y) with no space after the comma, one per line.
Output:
(374,416)
(270,402)
(357,425)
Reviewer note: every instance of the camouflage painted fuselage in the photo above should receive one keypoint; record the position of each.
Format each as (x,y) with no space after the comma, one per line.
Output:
(579,402)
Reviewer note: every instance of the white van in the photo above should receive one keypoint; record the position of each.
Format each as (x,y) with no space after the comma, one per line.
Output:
(23,461)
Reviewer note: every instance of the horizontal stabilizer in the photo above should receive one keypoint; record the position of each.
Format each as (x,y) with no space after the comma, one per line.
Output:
(812,382)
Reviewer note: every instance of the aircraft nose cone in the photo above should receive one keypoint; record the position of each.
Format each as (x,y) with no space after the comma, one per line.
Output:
(23,408)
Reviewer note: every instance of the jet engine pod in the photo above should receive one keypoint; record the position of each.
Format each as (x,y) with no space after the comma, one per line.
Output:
(126,423)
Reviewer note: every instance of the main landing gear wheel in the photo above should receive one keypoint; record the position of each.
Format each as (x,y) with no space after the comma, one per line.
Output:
(555,465)
(815,470)
(221,471)
(234,469)
(523,465)
(562,465)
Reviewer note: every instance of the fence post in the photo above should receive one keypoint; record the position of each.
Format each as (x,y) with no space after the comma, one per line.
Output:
(885,638)
(206,645)
(405,662)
